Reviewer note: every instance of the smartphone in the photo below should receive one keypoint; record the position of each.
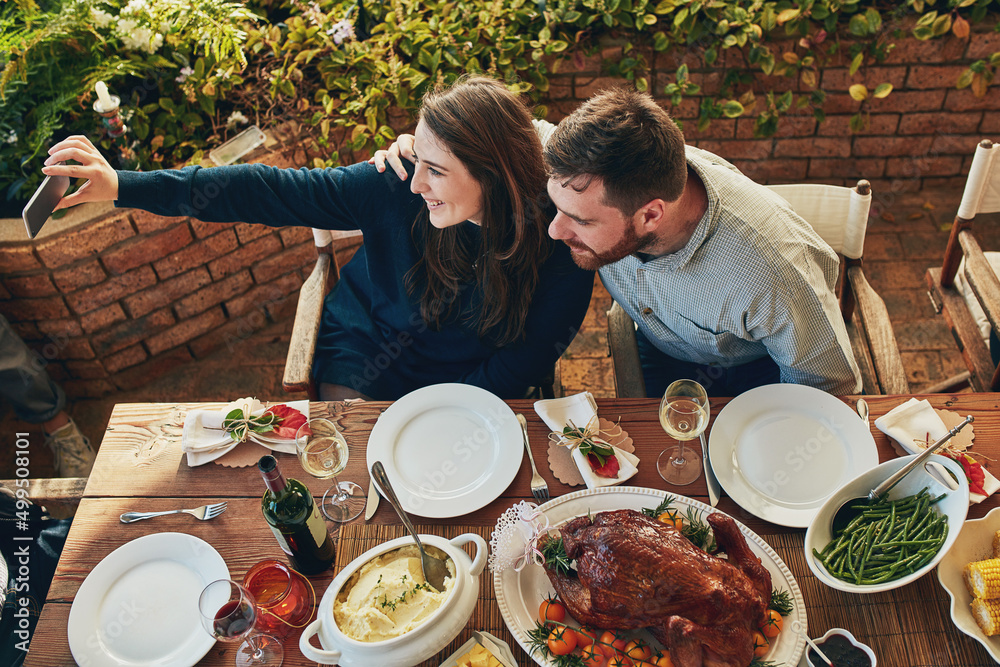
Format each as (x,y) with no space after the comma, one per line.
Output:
(43,202)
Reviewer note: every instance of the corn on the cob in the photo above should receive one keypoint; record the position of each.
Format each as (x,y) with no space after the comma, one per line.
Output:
(982,578)
(996,544)
(987,615)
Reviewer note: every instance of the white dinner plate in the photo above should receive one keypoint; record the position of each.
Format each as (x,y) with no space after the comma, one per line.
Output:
(974,542)
(139,606)
(781,450)
(448,449)
(520,593)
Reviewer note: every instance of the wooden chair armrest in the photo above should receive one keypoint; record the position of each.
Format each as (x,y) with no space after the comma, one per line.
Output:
(625,362)
(305,329)
(874,318)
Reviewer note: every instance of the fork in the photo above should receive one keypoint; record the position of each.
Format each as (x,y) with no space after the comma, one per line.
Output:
(539,489)
(205,512)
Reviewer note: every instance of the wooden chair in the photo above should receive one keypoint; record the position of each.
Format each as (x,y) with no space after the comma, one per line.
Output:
(974,294)
(309,313)
(840,216)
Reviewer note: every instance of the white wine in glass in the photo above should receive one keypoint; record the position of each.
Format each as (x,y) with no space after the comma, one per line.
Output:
(683,415)
(323,453)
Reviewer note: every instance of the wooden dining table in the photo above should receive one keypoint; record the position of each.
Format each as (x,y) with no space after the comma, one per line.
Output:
(140,466)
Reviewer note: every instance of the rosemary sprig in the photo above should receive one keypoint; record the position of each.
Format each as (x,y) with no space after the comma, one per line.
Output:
(554,552)
(781,602)
(694,529)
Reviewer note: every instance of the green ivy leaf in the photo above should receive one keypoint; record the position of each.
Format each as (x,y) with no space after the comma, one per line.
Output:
(858,25)
(965,79)
(882,90)
(732,109)
(859,59)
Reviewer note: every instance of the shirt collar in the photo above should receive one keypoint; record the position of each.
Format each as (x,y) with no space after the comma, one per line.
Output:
(676,260)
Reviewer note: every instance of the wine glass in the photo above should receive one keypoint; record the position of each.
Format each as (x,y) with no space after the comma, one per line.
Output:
(229,613)
(322,452)
(684,416)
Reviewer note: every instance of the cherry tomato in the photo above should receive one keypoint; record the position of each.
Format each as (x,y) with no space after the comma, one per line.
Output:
(619,660)
(760,645)
(561,641)
(638,651)
(551,609)
(772,627)
(585,636)
(592,655)
(610,643)
(664,660)
(671,518)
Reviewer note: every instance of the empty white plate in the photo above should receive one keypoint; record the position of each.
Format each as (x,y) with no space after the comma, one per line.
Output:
(448,449)
(139,606)
(781,450)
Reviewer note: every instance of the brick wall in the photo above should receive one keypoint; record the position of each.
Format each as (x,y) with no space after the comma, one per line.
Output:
(922,135)
(110,303)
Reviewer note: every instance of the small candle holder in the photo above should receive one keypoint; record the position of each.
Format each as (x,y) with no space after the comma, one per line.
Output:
(111,118)
(116,129)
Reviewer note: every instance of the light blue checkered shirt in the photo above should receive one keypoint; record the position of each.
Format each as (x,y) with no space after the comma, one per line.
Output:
(753,280)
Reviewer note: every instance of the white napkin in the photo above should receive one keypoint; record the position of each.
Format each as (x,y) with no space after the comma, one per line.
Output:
(203,439)
(580,409)
(914,421)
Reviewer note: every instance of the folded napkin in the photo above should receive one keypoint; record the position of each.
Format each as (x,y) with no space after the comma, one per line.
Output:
(203,439)
(912,423)
(580,408)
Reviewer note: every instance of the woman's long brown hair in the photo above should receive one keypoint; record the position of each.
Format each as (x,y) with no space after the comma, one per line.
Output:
(489,130)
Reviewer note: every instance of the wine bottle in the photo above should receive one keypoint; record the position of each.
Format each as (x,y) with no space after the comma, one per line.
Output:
(295,520)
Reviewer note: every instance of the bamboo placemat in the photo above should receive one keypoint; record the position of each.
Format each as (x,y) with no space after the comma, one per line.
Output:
(906,627)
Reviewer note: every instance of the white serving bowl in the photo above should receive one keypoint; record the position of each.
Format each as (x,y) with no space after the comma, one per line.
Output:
(955,505)
(975,542)
(416,645)
(847,635)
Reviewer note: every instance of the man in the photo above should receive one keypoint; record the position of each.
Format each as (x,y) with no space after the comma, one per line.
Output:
(26,385)
(726,284)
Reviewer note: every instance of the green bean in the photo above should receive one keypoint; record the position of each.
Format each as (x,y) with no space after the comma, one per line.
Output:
(888,540)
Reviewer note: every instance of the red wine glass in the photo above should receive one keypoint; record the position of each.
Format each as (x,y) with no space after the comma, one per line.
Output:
(229,613)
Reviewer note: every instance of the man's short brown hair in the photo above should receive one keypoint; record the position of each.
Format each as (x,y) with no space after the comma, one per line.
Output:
(625,139)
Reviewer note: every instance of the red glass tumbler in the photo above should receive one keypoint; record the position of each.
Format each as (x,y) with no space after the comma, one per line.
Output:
(285,598)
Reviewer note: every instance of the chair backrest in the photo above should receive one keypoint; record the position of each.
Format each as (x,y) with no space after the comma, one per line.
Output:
(970,300)
(982,187)
(838,214)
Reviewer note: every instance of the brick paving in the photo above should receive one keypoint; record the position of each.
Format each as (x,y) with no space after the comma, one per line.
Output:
(906,235)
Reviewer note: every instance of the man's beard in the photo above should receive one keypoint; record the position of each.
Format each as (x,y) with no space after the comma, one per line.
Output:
(629,244)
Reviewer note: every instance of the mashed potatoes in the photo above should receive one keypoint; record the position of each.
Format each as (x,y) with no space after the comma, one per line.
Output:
(388,597)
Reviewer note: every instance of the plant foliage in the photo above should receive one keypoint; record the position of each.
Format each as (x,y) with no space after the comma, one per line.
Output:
(352,72)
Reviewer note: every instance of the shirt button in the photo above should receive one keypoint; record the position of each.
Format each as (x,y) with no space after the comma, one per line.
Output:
(647,311)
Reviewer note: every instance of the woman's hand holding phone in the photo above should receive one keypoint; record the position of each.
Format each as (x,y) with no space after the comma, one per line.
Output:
(102,180)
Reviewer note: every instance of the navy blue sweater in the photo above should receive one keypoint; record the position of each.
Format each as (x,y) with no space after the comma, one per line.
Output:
(372,337)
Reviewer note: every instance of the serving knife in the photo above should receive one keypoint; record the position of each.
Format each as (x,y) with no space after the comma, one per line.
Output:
(373,499)
(487,643)
(711,481)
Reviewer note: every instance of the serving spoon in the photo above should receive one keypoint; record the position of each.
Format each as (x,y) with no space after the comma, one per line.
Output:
(435,570)
(855,506)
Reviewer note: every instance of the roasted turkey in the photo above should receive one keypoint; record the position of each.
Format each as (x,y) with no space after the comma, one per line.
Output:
(633,572)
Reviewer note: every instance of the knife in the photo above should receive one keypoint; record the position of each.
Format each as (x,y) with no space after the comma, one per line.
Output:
(711,481)
(486,641)
(373,499)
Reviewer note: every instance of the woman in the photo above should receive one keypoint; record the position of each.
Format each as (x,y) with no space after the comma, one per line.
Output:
(457,280)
